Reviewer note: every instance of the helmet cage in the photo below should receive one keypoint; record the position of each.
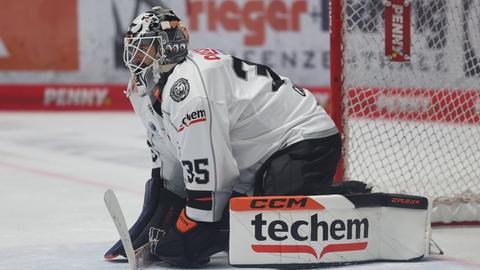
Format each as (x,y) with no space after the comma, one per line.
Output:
(142,52)
(141,55)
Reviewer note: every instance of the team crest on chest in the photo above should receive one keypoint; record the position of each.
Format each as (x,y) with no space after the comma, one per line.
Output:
(179,90)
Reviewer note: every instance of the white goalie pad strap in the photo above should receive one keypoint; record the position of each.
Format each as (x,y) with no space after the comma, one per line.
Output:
(290,230)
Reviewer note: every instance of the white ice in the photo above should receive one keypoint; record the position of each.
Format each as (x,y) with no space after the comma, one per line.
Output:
(54,169)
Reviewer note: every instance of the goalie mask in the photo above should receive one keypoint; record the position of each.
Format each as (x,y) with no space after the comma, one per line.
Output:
(156,41)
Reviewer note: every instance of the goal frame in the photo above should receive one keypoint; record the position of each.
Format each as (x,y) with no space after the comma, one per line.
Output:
(336,71)
(336,103)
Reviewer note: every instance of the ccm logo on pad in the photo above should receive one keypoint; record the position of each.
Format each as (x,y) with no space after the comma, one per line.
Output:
(276,203)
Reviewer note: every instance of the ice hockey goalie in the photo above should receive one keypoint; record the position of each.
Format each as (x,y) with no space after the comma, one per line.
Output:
(220,127)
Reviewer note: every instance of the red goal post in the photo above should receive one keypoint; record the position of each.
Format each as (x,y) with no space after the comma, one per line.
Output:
(405,80)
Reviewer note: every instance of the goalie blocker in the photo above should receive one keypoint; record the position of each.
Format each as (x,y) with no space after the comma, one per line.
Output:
(331,229)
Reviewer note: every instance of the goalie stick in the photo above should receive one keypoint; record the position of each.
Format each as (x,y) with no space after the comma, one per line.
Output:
(139,258)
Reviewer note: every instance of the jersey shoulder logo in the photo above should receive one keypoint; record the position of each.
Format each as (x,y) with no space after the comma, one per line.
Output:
(180,90)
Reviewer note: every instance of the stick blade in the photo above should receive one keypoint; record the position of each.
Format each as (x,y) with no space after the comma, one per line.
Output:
(118,218)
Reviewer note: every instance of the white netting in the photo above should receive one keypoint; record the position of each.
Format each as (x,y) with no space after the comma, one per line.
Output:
(414,127)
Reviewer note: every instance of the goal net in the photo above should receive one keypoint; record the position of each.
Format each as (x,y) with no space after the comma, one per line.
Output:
(406,90)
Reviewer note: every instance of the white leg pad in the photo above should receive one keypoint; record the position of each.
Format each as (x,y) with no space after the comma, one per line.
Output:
(332,229)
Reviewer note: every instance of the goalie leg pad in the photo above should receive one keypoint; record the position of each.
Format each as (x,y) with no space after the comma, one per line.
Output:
(324,230)
(160,208)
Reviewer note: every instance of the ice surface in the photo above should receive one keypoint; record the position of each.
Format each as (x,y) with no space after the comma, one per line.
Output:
(54,169)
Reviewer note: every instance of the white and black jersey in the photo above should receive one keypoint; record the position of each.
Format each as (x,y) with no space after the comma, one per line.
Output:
(217,119)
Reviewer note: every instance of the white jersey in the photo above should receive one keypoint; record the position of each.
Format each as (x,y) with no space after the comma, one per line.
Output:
(217,119)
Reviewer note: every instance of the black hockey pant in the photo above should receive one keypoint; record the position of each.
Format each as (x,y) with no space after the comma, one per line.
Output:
(303,168)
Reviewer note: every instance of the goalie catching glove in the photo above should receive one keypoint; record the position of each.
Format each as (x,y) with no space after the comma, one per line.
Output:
(190,243)
(160,208)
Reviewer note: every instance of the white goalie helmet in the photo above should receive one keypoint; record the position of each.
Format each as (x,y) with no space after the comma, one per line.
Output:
(156,41)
